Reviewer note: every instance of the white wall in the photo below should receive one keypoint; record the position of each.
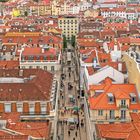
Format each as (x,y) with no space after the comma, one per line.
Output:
(103,73)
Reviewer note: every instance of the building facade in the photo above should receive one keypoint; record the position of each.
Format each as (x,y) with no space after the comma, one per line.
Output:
(69,26)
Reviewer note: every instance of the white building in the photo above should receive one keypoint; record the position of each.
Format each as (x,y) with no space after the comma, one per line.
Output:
(40,58)
(115,53)
(101,74)
(115,12)
(132,15)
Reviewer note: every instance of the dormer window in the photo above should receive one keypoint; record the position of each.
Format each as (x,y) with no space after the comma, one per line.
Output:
(10,40)
(45,57)
(37,57)
(51,40)
(133,97)
(30,58)
(110,98)
(30,40)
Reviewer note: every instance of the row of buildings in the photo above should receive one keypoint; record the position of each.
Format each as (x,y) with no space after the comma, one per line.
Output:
(108,48)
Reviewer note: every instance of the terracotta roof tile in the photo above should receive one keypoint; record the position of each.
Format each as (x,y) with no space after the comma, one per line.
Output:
(33,129)
(40,85)
(119,91)
(127,131)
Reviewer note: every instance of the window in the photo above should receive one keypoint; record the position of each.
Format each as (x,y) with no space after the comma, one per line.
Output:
(19,107)
(100,112)
(45,57)
(52,68)
(38,67)
(38,57)
(123,114)
(43,108)
(110,97)
(32,108)
(45,67)
(133,97)
(111,114)
(135,110)
(8,107)
(123,102)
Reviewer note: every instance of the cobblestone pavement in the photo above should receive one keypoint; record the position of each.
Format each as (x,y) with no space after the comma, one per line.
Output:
(65,104)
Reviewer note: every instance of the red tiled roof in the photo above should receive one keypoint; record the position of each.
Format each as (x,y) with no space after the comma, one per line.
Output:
(87,43)
(114,65)
(101,56)
(33,129)
(14,116)
(127,131)
(9,64)
(38,51)
(40,85)
(14,137)
(120,91)
(114,131)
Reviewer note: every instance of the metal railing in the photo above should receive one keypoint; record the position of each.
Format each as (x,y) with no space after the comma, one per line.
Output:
(111,118)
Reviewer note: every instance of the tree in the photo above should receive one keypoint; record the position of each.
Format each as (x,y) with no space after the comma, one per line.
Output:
(3,0)
(36,0)
(26,13)
(64,42)
(73,40)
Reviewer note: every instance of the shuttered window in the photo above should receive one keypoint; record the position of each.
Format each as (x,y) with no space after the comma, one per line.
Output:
(1,107)
(26,108)
(14,107)
(37,108)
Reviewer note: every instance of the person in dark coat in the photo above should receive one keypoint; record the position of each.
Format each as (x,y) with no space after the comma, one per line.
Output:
(77,126)
(76,133)
(69,133)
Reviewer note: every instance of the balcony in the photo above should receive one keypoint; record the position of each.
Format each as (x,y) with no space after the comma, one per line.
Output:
(36,116)
(123,106)
(111,119)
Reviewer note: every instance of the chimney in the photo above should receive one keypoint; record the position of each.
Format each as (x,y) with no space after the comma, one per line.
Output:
(21,73)
(42,50)
(119,66)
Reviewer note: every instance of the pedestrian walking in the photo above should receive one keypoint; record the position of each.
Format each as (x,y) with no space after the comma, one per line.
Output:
(76,133)
(77,125)
(69,75)
(69,132)
(73,138)
(82,124)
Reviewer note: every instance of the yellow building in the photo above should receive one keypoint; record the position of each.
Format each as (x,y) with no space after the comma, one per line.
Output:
(110,103)
(36,9)
(91,13)
(69,26)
